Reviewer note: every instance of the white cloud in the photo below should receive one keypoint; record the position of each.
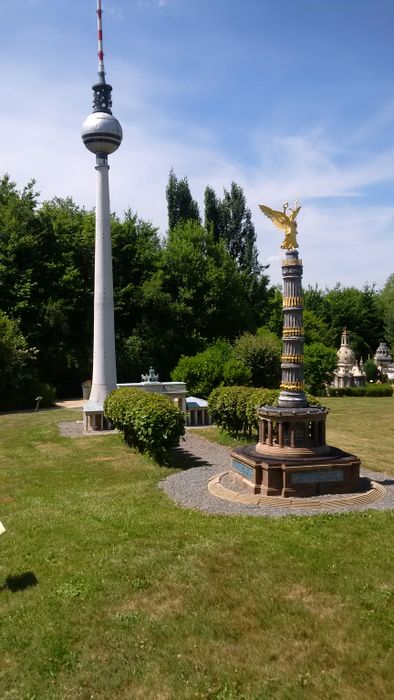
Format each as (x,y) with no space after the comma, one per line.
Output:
(154,3)
(114,10)
(349,243)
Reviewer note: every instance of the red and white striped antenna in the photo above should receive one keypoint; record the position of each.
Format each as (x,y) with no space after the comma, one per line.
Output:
(100,52)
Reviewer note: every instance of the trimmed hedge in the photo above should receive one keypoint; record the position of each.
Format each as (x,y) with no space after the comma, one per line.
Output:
(234,408)
(150,422)
(367,390)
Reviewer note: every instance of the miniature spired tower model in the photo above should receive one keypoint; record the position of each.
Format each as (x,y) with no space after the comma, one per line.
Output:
(102,135)
(291,457)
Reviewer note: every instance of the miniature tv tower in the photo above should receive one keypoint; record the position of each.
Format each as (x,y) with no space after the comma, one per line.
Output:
(102,135)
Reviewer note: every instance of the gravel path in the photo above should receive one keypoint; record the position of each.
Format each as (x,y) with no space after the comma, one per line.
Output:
(200,459)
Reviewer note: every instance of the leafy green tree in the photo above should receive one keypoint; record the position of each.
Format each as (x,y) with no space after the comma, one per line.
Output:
(261,354)
(314,300)
(204,371)
(387,305)
(46,259)
(138,299)
(63,327)
(371,370)
(180,204)
(15,355)
(357,310)
(207,297)
(235,373)
(316,330)
(136,254)
(212,213)
(273,319)
(19,384)
(230,220)
(319,365)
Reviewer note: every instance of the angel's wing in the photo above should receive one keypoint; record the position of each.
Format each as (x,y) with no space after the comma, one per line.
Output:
(294,212)
(279,218)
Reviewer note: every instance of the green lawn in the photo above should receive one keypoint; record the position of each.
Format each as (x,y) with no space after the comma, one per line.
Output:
(137,598)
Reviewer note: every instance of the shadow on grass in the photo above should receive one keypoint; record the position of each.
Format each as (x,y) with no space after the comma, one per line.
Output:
(181,458)
(20,582)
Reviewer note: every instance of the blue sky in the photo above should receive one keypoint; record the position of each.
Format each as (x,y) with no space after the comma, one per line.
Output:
(292,99)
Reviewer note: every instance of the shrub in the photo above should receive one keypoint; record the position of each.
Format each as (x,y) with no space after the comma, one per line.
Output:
(234,408)
(19,384)
(257,398)
(367,390)
(379,390)
(261,354)
(225,408)
(235,373)
(371,370)
(204,371)
(149,422)
(319,365)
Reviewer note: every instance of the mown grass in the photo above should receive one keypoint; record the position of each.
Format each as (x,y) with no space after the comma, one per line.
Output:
(137,598)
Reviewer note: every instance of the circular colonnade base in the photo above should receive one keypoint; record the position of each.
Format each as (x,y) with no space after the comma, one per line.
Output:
(217,488)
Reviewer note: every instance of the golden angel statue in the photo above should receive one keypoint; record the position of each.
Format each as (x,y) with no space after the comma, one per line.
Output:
(285,222)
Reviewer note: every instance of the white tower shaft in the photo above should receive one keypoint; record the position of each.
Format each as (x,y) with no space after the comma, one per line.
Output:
(104,358)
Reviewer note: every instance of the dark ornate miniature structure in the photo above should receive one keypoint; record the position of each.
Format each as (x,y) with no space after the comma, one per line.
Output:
(291,457)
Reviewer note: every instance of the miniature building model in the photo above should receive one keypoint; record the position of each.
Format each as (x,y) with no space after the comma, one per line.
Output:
(291,457)
(348,371)
(197,411)
(150,382)
(384,360)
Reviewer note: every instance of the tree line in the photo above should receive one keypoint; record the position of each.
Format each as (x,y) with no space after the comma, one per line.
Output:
(174,295)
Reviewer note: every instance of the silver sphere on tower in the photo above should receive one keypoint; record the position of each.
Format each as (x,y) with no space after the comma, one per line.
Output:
(101,133)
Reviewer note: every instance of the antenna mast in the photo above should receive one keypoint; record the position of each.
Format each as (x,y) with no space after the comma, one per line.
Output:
(100,53)
(102,101)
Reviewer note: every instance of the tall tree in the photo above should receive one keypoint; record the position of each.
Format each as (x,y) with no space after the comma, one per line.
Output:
(314,300)
(208,299)
(360,312)
(387,305)
(180,204)
(319,366)
(136,253)
(212,214)
(46,265)
(230,220)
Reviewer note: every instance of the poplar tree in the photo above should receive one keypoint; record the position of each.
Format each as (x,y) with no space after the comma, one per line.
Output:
(180,204)
(230,220)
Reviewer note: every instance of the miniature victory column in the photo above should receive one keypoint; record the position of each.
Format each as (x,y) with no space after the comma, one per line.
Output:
(291,457)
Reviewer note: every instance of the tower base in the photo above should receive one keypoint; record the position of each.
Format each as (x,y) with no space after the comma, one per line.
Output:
(94,418)
(297,476)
